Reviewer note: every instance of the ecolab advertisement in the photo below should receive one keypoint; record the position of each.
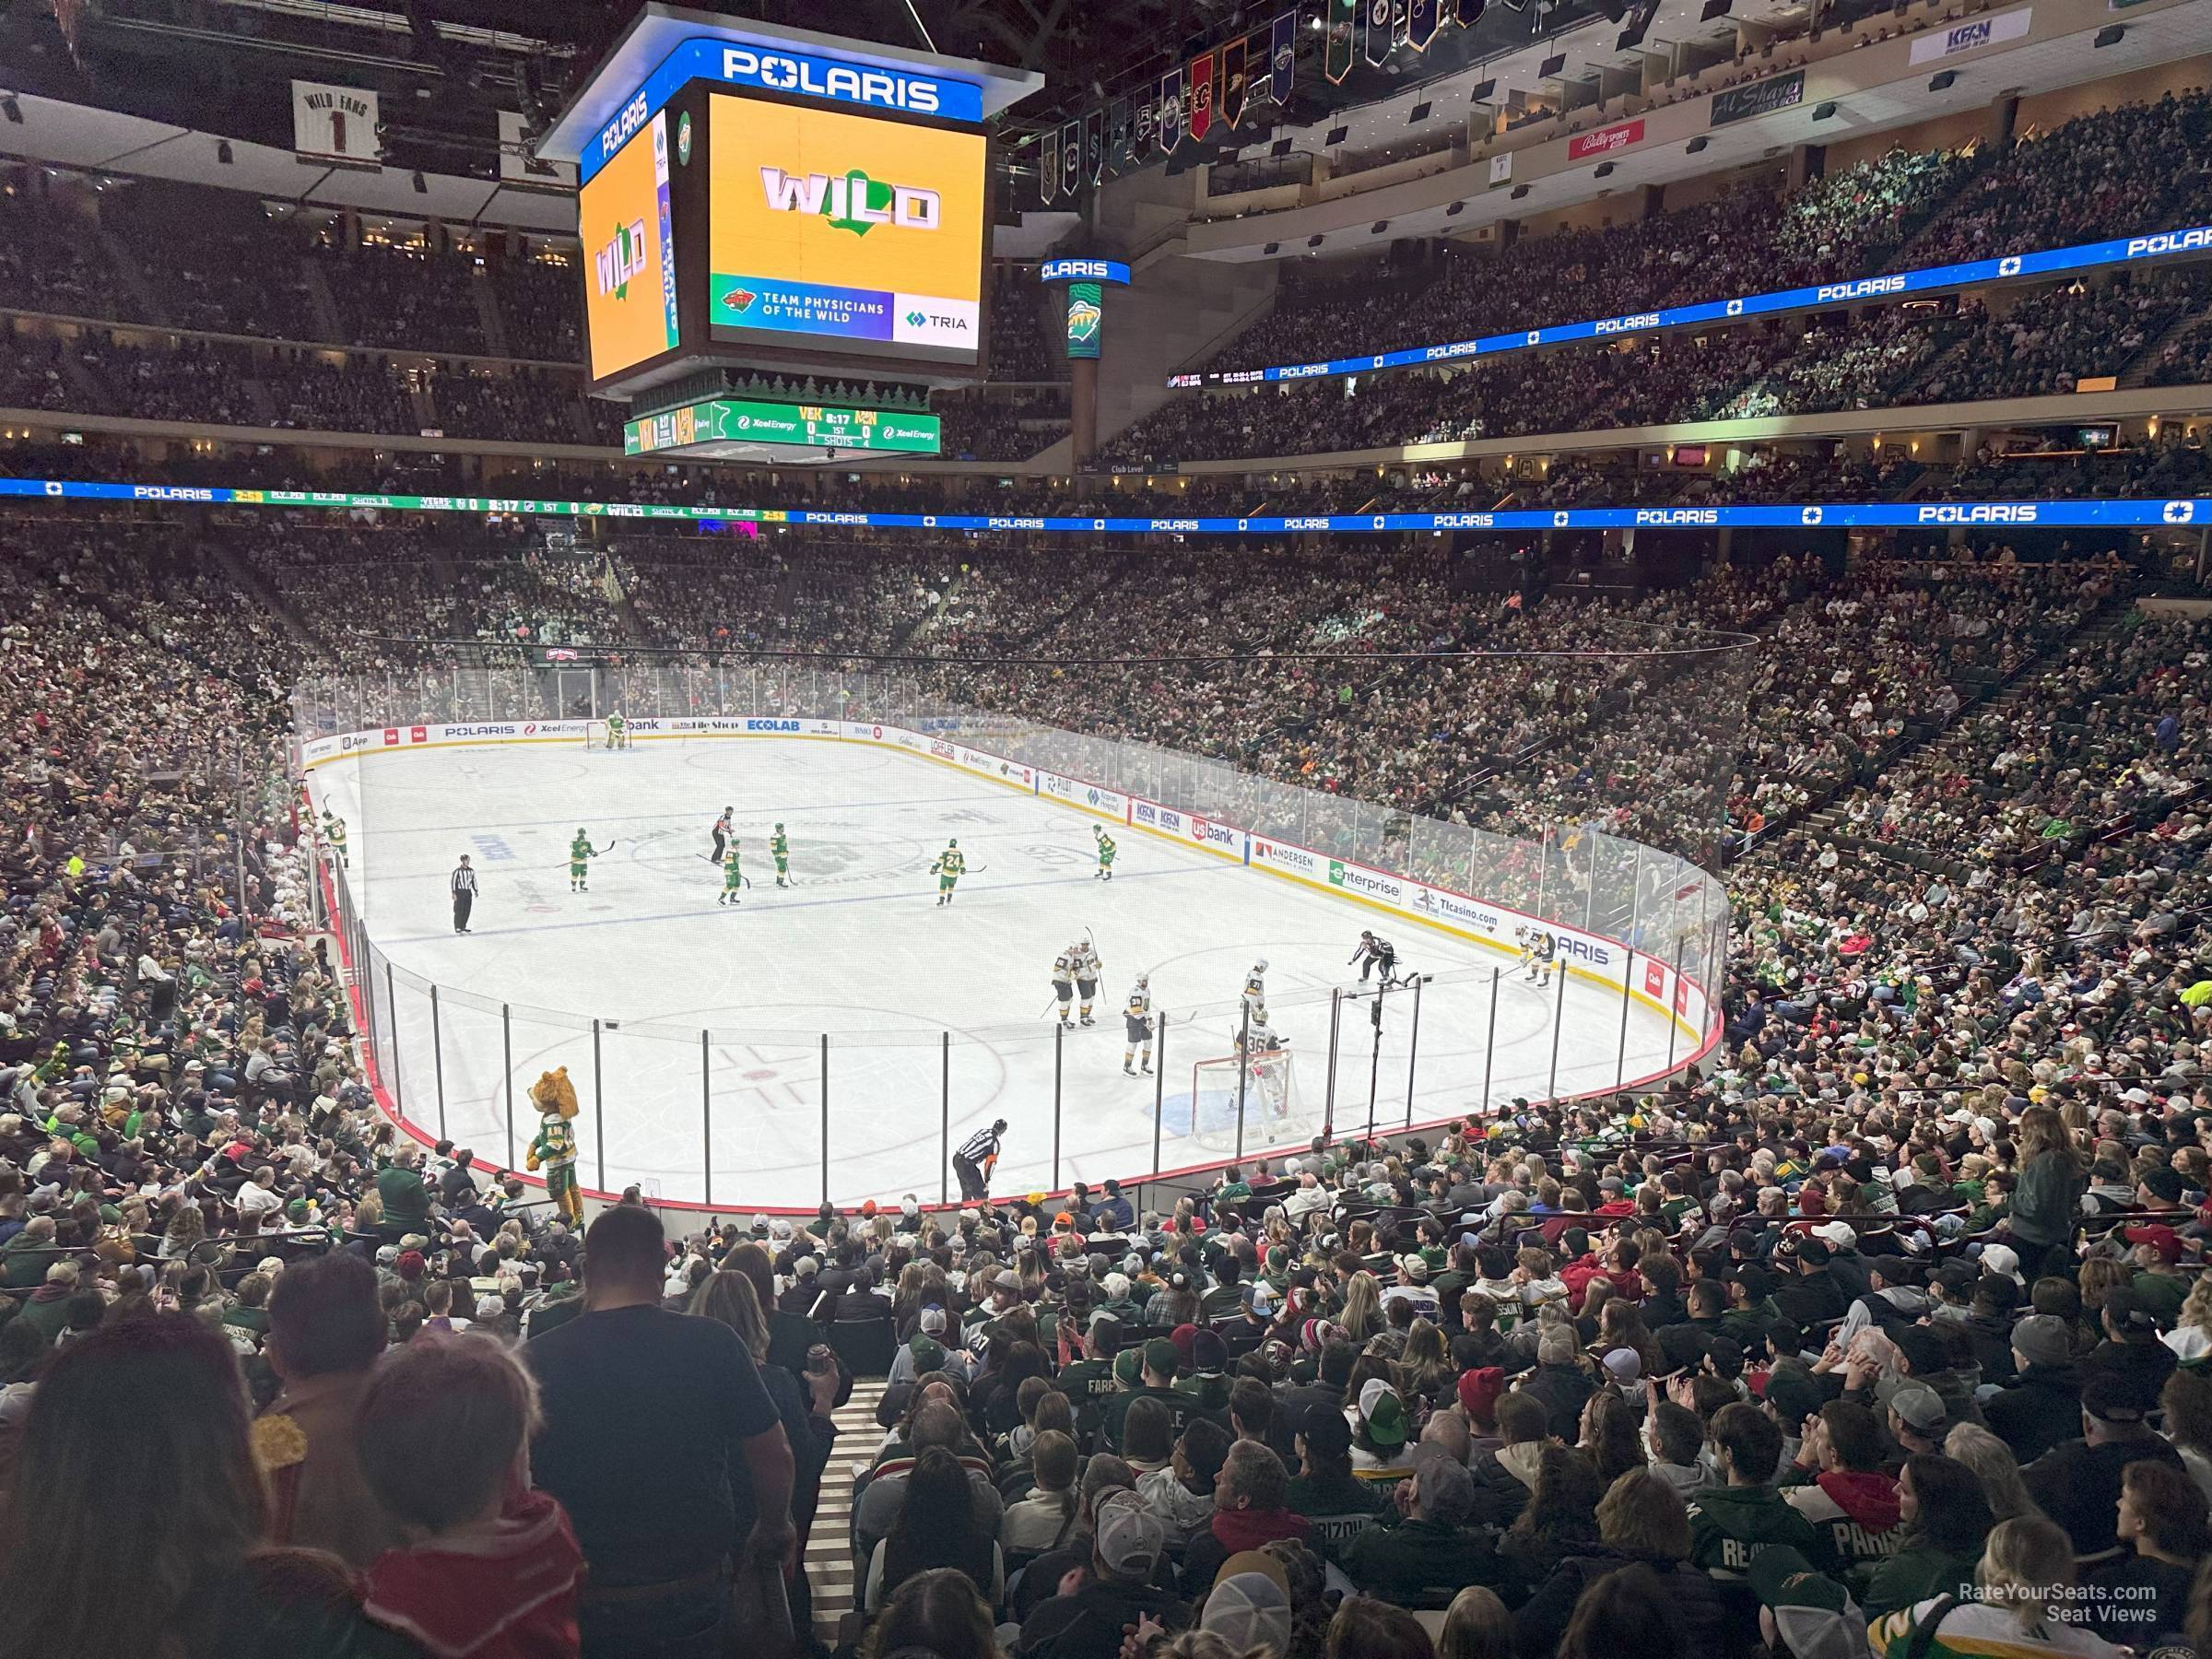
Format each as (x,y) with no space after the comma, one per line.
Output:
(628,255)
(844,232)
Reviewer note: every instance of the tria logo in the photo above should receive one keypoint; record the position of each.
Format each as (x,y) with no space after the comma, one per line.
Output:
(853,202)
(622,258)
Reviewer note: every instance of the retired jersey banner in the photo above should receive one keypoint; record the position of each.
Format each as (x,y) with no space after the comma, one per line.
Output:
(1232,83)
(1117,147)
(1343,43)
(1282,58)
(1420,23)
(1094,146)
(1171,110)
(1143,120)
(1048,166)
(1378,43)
(1071,158)
(1202,94)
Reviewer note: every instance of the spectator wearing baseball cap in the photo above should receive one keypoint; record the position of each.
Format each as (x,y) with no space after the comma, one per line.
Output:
(1918,1417)
(2131,1350)
(1157,1364)
(1126,1545)
(2043,1406)
(2159,1284)
(2077,1484)
(1323,1489)
(1435,1549)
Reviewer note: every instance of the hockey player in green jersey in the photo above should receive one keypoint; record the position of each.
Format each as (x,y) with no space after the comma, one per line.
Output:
(1106,852)
(779,848)
(732,877)
(948,869)
(334,831)
(581,854)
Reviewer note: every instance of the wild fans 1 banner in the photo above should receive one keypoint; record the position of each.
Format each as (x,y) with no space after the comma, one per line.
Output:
(1171,110)
(1071,158)
(1232,82)
(338,123)
(1202,94)
(1420,23)
(1117,149)
(1344,26)
(1094,146)
(1282,58)
(1378,42)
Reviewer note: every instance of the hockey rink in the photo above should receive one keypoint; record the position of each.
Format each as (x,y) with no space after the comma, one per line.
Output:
(919,1004)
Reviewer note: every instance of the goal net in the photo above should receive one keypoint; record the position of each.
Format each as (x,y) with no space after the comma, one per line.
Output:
(596,736)
(1274,1113)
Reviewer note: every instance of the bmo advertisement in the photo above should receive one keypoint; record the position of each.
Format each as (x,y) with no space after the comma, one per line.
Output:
(834,230)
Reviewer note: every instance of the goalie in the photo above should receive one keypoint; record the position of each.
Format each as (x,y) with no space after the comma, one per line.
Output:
(1264,1055)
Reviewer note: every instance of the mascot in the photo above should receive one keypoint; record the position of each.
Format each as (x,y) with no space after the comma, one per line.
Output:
(554,1151)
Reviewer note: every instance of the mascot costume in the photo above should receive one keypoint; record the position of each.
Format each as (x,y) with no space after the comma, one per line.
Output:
(554,1151)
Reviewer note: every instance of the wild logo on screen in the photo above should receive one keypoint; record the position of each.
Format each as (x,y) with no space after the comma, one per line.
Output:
(621,259)
(1083,319)
(853,200)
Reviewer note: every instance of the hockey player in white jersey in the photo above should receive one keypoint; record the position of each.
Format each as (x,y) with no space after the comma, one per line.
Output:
(1087,978)
(1063,980)
(1137,1016)
(1540,950)
(1255,991)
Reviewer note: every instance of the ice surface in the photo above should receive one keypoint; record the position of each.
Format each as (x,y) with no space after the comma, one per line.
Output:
(860,950)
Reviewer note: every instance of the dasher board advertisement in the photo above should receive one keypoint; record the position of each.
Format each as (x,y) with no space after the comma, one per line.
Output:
(845,234)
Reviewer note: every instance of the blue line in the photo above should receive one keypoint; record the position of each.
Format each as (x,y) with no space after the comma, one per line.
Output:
(496,932)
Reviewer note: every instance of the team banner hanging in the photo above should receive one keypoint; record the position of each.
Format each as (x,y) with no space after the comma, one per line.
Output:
(1142,120)
(1343,28)
(1232,82)
(1467,13)
(337,123)
(1400,31)
(1378,42)
(1117,150)
(1071,158)
(1094,146)
(1420,23)
(1047,167)
(1171,110)
(1282,58)
(1202,95)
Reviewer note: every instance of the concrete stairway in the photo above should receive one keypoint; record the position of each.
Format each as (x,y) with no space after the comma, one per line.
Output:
(828,1548)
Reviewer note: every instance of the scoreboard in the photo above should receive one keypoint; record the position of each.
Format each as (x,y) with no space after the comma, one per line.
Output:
(758,197)
(728,428)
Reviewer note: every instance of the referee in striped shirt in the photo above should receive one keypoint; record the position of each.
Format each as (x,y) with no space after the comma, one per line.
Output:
(463,884)
(973,1161)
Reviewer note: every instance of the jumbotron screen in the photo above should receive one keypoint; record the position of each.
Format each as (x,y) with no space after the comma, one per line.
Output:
(630,255)
(845,234)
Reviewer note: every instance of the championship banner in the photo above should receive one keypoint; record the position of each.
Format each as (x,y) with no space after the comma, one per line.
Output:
(1378,42)
(1142,120)
(1344,25)
(1202,95)
(1048,166)
(1094,146)
(1282,58)
(1232,82)
(1420,23)
(1171,110)
(1071,158)
(1117,150)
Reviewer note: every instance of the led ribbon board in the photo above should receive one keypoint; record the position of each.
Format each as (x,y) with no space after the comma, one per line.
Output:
(2195,241)
(744,425)
(2078,514)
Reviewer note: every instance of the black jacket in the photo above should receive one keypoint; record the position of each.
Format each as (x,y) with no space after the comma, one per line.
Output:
(1088,1625)
(2078,1485)
(1564,1390)
(1697,1598)
(2042,1409)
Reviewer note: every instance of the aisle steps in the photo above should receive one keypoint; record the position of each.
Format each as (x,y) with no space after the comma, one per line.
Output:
(828,1548)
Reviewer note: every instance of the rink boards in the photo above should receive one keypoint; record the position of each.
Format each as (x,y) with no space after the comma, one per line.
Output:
(1600,960)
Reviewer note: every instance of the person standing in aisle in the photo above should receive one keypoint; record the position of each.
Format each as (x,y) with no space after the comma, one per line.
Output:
(463,886)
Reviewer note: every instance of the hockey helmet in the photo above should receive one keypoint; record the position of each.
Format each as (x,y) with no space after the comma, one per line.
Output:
(1260,966)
